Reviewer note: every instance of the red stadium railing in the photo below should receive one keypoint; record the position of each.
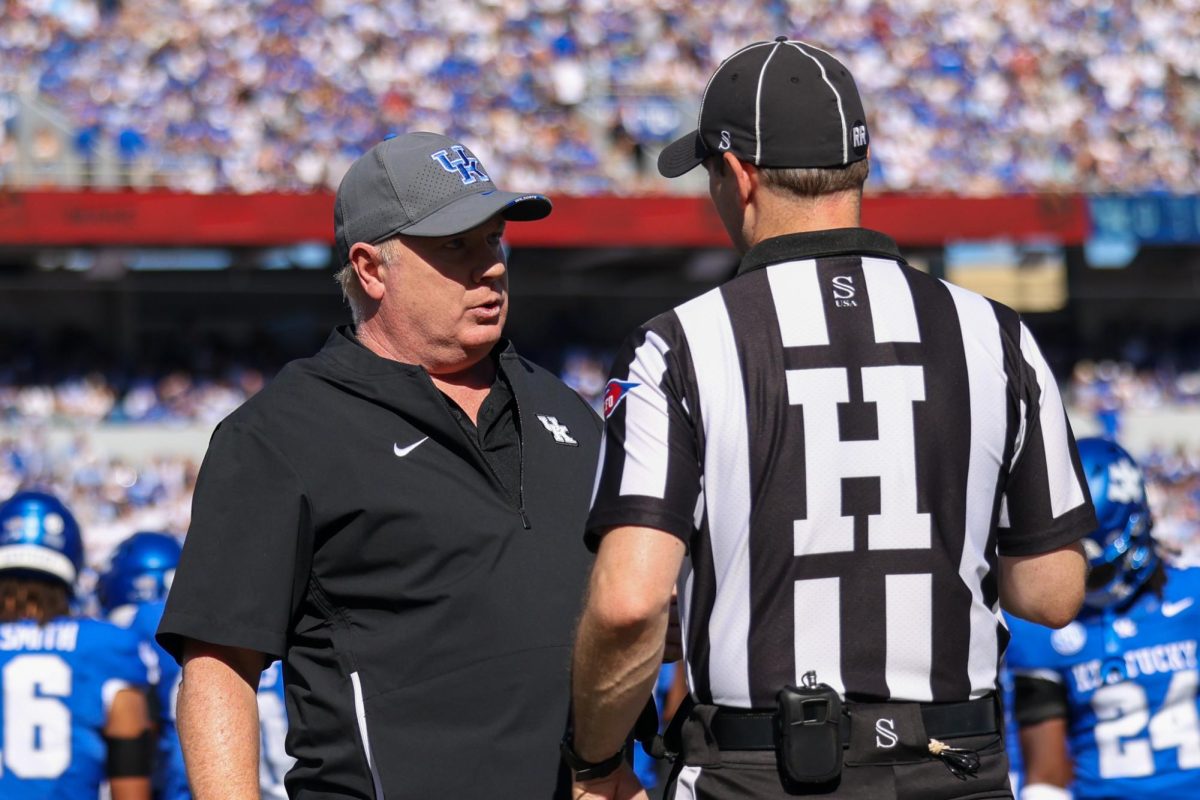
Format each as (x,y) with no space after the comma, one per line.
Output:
(160,218)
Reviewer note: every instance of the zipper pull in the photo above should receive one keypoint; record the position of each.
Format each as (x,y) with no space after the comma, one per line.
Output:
(524,518)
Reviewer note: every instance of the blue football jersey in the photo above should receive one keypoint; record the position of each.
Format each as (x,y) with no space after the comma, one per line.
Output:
(1016,761)
(58,683)
(170,779)
(273,762)
(1131,687)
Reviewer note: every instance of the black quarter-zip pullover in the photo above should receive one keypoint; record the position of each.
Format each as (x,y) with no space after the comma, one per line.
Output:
(346,522)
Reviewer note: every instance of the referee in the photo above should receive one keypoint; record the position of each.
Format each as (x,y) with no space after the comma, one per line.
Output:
(845,466)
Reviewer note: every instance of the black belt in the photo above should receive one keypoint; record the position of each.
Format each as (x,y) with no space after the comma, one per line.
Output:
(742,729)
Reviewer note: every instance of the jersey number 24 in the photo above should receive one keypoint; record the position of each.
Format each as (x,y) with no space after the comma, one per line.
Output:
(1121,715)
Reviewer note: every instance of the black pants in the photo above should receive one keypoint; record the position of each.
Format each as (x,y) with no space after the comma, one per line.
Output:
(706,773)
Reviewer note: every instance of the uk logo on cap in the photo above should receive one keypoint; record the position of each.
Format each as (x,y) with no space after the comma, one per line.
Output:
(614,393)
(468,168)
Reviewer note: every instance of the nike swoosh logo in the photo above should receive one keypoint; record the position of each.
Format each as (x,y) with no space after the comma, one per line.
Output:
(403,451)
(1171,609)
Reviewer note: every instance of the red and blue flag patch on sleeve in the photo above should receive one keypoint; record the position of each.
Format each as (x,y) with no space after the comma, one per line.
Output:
(614,393)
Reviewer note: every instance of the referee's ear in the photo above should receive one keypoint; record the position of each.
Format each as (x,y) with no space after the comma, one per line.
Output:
(744,173)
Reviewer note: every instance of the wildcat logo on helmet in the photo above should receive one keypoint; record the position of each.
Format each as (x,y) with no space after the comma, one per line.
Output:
(1124,482)
(614,393)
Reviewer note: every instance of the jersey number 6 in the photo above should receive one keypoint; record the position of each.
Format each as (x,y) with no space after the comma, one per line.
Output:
(37,725)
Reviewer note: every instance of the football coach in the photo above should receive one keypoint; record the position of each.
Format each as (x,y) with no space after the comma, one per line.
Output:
(863,463)
(397,518)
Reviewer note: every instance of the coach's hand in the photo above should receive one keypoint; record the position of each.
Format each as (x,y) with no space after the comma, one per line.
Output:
(621,785)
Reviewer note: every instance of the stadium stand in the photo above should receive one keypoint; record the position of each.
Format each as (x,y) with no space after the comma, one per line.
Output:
(965,97)
(149,487)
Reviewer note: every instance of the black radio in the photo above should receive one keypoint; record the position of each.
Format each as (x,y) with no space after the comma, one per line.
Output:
(809,738)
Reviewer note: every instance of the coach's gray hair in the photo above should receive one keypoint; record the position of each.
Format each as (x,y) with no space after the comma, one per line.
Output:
(352,291)
(810,183)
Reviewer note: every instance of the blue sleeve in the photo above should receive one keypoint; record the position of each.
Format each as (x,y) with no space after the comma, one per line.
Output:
(125,655)
(271,679)
(1027,648)
(145,622)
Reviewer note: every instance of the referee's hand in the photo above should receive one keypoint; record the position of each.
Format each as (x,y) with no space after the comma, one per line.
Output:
(621,785)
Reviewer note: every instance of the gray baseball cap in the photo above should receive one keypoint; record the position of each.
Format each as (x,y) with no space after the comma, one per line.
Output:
(421,184)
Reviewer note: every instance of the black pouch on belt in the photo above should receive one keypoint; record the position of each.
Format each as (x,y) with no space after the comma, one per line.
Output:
(808,741)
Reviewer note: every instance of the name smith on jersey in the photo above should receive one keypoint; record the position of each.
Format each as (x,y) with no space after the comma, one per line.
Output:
(58,636)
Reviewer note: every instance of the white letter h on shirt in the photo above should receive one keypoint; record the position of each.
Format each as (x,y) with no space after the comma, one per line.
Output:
(828,459)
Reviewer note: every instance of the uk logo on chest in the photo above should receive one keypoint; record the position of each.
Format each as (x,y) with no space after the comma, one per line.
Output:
(559,431)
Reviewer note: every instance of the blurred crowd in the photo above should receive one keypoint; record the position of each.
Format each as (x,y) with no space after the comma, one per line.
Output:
(966,96)
(1173,486)
(187,396)
(178,397)
(1113,386)
(115,496)
(112,497)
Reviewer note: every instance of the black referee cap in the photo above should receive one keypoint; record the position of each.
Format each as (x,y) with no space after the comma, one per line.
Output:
(783,104)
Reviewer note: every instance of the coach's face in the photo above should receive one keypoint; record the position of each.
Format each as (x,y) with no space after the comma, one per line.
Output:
(446,297)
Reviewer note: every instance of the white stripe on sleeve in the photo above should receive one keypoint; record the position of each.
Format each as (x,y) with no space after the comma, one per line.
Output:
(647,422)
(1065,491)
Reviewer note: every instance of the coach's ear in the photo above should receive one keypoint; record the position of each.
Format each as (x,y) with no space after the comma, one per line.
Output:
(368,263)
(746,175)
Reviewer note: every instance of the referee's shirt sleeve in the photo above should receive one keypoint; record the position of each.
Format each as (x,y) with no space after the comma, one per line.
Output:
(649,471)
(248,550)
(1046,503)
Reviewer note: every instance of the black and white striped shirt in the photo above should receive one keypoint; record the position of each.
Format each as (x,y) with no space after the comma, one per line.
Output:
(845,444)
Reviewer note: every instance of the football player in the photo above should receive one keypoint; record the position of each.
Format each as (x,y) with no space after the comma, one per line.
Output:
(1107,706)
(1012,743)
(132,591)
(73,711)
(273,760)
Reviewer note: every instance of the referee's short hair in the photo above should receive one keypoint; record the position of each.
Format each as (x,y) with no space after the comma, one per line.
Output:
(816,182)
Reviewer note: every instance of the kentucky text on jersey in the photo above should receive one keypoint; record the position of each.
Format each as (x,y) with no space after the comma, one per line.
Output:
(58,636)
(1172,657)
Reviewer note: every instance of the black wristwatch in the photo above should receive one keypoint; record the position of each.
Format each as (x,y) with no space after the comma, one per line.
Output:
(590,770)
